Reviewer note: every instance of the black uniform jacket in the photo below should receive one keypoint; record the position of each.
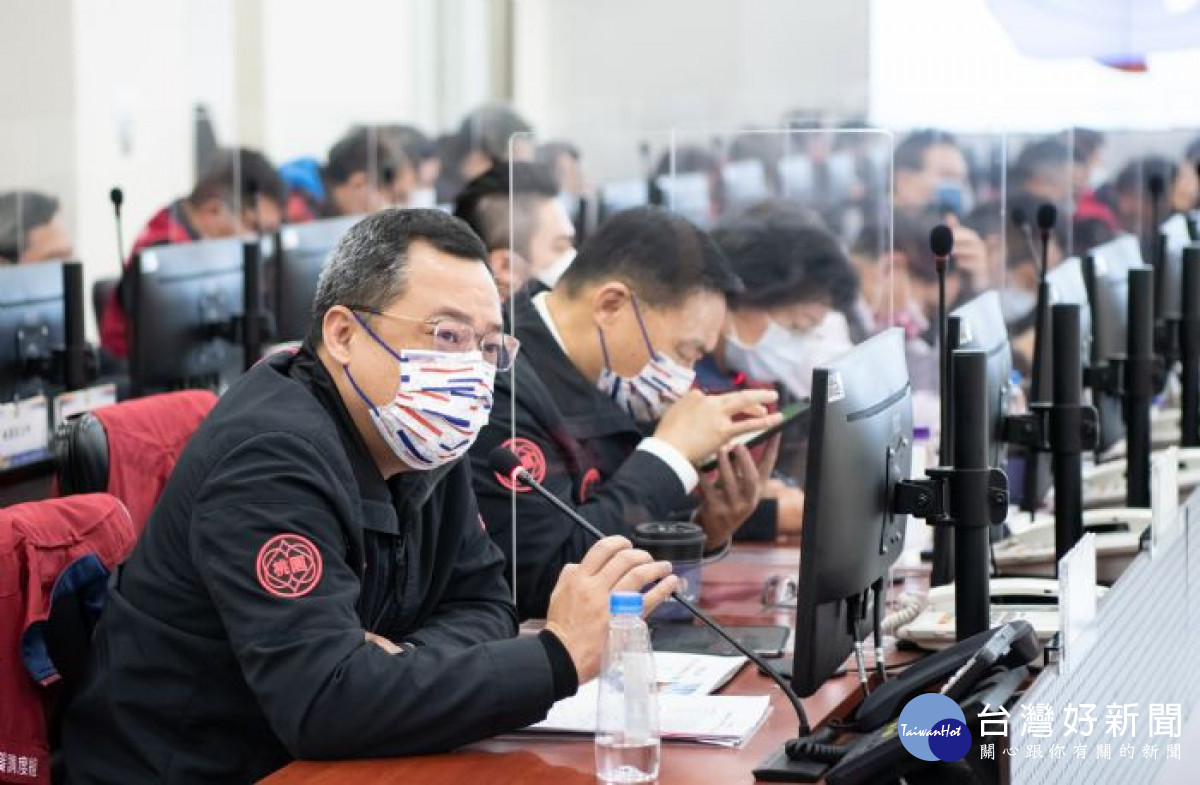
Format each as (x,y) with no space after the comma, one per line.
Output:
(233,640)
(581,446)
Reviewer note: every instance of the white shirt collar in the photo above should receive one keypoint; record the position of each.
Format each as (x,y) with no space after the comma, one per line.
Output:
(539,305)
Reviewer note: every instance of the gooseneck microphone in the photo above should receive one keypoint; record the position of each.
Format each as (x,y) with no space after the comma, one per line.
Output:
(117,197)
(504,462)
(1020,219)
(941,243)
(1047,216)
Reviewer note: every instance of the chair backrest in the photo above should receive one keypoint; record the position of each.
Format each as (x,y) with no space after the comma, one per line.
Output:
(129,449)
(102,290)
(55,559)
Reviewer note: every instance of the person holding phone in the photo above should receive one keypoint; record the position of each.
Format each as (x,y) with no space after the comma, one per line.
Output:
(601,407)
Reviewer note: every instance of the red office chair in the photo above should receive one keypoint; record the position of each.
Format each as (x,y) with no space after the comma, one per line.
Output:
(55,559)
(129,449)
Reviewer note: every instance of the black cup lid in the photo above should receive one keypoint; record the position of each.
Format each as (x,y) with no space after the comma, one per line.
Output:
(669,532)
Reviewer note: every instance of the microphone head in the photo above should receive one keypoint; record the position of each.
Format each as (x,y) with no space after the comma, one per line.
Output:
(505,462)
(1047,214)
(941,241)
(1020,217)
(1156,185)
(117,197)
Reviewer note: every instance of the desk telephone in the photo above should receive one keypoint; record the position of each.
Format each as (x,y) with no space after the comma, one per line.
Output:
(1031,600)
(1030,549)
(987,668)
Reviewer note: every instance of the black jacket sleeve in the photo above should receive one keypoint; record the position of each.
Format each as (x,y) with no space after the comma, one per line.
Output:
(326,692)
(643,489)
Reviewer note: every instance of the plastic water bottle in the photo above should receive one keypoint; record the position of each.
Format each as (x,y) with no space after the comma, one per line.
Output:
(627,736)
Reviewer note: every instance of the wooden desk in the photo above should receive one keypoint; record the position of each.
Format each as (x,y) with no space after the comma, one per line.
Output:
(732,592)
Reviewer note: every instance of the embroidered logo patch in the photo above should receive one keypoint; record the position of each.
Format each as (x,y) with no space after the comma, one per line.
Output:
(289,566)
(531,458)
(591,478)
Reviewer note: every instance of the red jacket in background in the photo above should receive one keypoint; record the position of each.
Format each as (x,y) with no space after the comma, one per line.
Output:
(169,226)
(47,549)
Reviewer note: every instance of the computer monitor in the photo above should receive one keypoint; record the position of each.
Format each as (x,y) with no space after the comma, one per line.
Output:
(688,194)
(743,183)
(979,324)
(34,326)
(186,300)
(860,446)
(303,251)
(618,195)
(1106,276)
(1176,235)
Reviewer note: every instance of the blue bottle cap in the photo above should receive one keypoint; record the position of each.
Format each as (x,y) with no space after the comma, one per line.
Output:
(922,432)
(625,603)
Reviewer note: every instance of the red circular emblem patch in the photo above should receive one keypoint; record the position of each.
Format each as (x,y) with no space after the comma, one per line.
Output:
(591,478)
(289,566)
(531,458)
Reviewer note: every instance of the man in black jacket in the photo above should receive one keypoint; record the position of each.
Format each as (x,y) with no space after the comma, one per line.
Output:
(316,581)
(600,407)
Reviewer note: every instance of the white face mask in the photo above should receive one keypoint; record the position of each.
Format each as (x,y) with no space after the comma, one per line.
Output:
(422,197)
(551,274)
(786,356)
(1016,303)
(443,401)
(659,383)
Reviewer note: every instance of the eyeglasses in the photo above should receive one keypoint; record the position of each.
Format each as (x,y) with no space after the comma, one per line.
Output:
(450,335)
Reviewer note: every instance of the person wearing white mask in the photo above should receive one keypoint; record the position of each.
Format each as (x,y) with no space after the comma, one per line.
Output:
(529,236)
(789,318)
(601,408)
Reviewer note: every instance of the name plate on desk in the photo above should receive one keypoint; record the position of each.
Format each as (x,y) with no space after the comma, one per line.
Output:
(1077,603)
(24,432)
(1164,498)
(75,402)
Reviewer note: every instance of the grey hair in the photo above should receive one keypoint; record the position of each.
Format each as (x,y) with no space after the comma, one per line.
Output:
(367,268)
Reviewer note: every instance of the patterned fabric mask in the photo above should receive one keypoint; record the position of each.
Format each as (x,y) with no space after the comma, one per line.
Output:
(443,401)
(659,383)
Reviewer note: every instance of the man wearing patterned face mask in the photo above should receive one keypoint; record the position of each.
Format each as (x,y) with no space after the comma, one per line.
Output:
(601,409)
(316,580)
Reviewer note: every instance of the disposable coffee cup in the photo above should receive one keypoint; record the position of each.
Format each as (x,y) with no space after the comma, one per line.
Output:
(682,544)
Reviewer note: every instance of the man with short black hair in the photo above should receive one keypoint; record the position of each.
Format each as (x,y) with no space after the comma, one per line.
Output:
(363,172)
(316,580)
(490,135)
(32,228)
(529,237)
(602,408)
(240,193)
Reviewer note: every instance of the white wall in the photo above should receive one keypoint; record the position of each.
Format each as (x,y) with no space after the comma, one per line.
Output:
(328,65)
(37,99)
(140,67)
(606,73)
(949,63)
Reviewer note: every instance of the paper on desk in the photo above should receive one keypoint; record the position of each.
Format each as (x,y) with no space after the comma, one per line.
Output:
(725,720)
(694,674)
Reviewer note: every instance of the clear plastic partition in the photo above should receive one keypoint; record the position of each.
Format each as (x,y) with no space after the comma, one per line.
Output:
(1038,185)
(1153,190)
(803,219)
